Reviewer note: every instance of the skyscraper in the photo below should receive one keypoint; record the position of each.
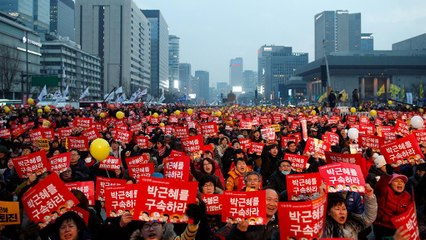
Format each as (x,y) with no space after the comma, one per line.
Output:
(62,18)
(33,14)
(159,52)
(174,63)
(367,42)
(202,78)
(236,72)
(185,78)
(119,33)
(337,31)
(249,81)
(276,64)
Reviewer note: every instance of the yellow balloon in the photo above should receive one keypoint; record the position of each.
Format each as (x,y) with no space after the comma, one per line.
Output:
(177,112)
(190,111)
(99,149)
(304,108)
(40,110)
(421,110)
(164,110)
(314,112)
(161,124)
(30,101)
(119,115)
(353,110)
(155,115)
(390,102)
(360,108)
(102,115)
(6,109)
(46,109)
(373,113)
(218,113)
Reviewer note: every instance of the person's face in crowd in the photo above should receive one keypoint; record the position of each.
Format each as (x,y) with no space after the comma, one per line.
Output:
(55,144)
(207,166)
(256,135)
(343,133)
(253,181)
(236,145)
(114,146)
(271,202)
(421,173)
(241,166)
(208,155)
(208,188)
(159,145)
(224,142)
(56,152)
(152,231)
(398,185)
(285,168)
(75,156)
(10,164)
(68,230)
(67,175)
(195,156)
(26,151)
(339,213)
(292,147)
(274,151)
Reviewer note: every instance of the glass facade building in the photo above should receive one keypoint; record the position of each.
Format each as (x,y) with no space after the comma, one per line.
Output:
(174,63)
(62,18)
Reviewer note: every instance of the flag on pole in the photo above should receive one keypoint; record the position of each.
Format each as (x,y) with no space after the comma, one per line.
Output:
(65,93)
(161,99)
(421,92)
(402,93)
(394,90)
(381,90)
(144,92)
(43,93)
(121,99)
(323,97)
(119,90)
(85,93)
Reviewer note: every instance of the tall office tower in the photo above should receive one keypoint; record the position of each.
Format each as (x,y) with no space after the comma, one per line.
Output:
(337,31)
(276,64)
(119,33)
(367,42)
(33,14)
(159,52)
(236,72)
(249,81)
(174,63)
(185,78)
(62,18)
(202,78)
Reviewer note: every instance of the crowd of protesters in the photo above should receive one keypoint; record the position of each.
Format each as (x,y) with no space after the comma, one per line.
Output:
(218,168)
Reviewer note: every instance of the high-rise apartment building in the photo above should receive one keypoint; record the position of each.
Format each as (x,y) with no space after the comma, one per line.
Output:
(276,64)
(202,78)
(119,33)
(236,72)
(185,78)
(174,63)
(62,18)
(159,52)
(367,42)
(249,81)
(337,31)
(32,13)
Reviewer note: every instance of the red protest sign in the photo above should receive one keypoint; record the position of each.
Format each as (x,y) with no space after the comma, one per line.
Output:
(343,177)
(141,170)
(102,182)
(298,162)
(403,150)
(164,197)
(88,188)
(303,186)
(237,206)
(213,203)
(193,144)
(119,199)
(285,140)
(181,132)
(136,127)
(144,158)
(246,124)
(64,132)
(123,136)
(332,138)
(332,157)
(256,147)
(245,143)
(177,168)
(48,199)
(316,147)
(91,134)
(299,220)
(408,221)
(209,129)
(173,119)
(401,128)
(59,163)
(142,141)
(110,163)
(367,129)
(31,163)
(5,133)
(83,122)
(371,141)
(364,120)
(35,134)
(268,134)
(80,143)
(420,135)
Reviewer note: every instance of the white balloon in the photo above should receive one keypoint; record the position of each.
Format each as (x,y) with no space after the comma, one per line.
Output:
(353,133)
(417,122)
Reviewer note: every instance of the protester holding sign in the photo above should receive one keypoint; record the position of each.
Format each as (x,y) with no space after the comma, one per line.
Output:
(278,179)
(340,224)
(236,174)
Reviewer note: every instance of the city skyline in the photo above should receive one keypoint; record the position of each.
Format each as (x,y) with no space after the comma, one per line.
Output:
(289,23)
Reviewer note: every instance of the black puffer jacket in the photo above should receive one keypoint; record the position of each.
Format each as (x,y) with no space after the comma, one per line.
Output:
(270,231)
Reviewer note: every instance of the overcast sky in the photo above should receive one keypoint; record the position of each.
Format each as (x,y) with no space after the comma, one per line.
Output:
(214,31)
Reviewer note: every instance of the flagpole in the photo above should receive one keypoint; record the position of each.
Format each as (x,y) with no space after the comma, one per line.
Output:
(113,90)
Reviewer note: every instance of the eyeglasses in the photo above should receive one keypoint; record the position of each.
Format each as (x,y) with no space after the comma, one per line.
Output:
(154,225)
(208,185)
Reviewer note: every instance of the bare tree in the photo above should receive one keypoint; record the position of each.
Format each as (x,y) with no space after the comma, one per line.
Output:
(9,65)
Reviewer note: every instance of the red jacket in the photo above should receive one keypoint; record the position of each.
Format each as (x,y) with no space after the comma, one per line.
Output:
(390,203)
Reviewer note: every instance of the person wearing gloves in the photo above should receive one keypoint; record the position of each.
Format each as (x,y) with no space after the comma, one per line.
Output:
(340,224)
(379,168)
(393,201)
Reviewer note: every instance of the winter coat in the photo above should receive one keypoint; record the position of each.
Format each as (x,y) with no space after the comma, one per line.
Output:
(233,179)
(169,233)
(270,231)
